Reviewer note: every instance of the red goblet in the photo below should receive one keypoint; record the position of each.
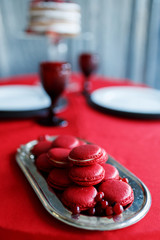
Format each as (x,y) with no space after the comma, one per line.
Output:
(54,76)
(88,63)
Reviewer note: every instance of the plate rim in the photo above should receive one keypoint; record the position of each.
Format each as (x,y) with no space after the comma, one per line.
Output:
(122,112)
(28,87)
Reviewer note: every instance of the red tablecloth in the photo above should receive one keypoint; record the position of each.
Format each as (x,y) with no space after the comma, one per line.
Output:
(134,143)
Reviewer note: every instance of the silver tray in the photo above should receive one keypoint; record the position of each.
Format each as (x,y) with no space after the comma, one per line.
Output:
(139,208)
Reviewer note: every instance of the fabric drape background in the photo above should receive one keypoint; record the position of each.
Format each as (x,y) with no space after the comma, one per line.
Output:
(125,34)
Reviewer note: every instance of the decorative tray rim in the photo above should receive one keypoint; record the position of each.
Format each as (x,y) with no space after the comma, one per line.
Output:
(53,205)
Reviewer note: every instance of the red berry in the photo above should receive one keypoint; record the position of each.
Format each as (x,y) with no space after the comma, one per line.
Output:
(42,138)
(99,211)
(104,204)
(125,180)
(118,208)
(109,211)
(99,196)
(91,211)
(75,210)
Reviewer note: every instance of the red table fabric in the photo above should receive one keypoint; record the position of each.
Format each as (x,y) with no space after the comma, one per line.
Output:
(133,143)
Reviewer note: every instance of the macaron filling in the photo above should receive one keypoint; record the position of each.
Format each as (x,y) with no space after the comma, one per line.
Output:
(80,160)
(56,185)
(90,182)
(58,162)
(58,156)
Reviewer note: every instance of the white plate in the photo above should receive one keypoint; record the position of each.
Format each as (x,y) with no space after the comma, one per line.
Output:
(128,99)
(23,98)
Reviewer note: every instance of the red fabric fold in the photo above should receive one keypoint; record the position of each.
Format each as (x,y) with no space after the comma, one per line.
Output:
(134,143)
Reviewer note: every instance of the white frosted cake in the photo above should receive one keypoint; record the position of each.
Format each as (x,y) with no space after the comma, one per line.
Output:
(54,17)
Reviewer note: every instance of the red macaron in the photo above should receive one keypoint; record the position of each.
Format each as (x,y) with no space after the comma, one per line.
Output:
(83,197)
(41,147)
(65,141)
(104,157)
(111,172)
(58,178)
(58,157)
(87,175)
(43,164)
(117,191)
(87,155)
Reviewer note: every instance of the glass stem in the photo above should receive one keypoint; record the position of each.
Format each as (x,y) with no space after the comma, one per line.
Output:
(50,112)
(87,85)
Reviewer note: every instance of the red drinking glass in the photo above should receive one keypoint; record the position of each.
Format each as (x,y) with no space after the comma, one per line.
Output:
(54,76)
(88,63)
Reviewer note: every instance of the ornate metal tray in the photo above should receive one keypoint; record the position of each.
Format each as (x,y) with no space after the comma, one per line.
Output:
(139,208)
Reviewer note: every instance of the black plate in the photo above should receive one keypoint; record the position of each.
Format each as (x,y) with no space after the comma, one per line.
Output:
(122,112)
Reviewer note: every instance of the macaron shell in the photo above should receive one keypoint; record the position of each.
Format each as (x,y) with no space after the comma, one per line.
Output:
(84,152)
(65,141)
(117,191)
(103,159)
(84,197)
(58,178)
(43,164)
(111,172)
(58,157)
(87,175)
(85,155)
(41,147)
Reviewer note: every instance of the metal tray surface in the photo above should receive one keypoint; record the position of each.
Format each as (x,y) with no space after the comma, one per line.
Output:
(139,208)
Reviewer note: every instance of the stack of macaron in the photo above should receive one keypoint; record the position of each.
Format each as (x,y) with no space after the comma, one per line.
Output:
(51,157)
(87,183)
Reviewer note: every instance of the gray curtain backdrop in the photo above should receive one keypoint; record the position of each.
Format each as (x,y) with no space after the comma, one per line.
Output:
(125,33)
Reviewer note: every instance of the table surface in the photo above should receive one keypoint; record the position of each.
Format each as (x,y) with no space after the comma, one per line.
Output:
(133,143)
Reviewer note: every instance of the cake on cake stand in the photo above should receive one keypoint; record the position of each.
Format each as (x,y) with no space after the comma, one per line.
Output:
(55,21)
